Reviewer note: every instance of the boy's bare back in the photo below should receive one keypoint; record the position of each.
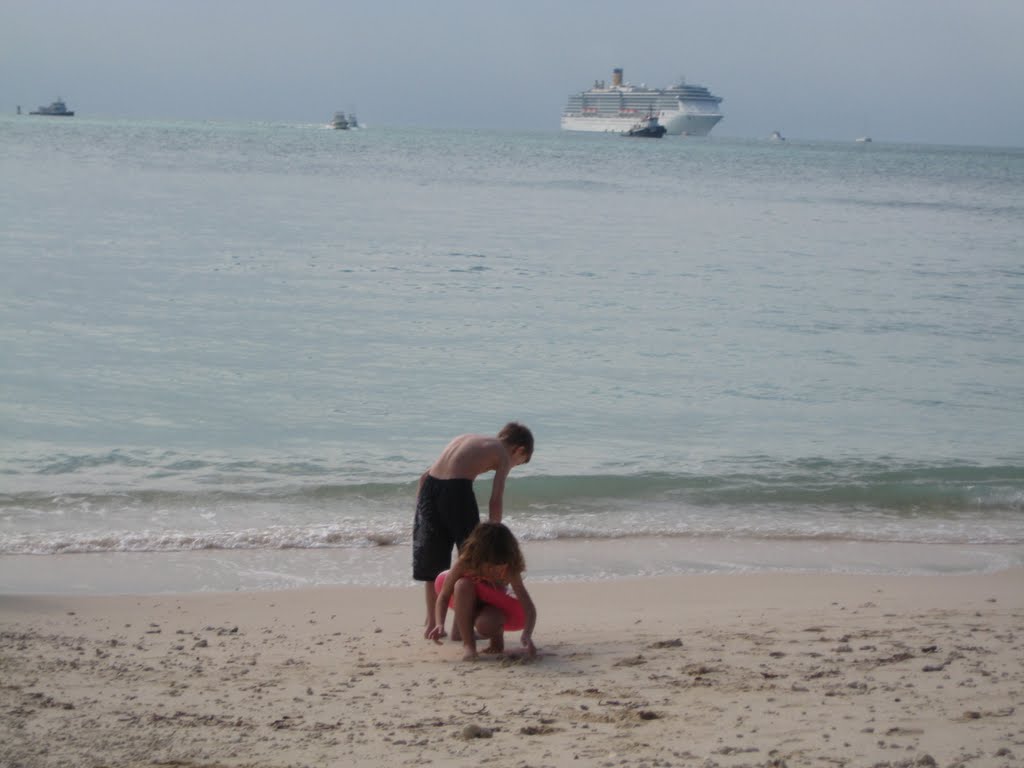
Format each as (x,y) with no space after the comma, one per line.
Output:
(468,456)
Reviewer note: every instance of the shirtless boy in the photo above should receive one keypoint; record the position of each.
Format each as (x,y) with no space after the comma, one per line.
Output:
(446,508)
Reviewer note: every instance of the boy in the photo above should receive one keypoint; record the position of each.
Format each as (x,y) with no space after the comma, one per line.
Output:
(446,508)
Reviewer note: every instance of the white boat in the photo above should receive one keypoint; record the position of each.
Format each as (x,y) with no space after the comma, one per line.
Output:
(683,109)
(776,136)
(340,122)
(864,138)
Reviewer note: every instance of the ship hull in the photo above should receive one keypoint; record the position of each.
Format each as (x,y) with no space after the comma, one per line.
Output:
(677,123)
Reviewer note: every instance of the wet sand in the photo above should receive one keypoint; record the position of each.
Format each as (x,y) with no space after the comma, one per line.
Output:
(711,670)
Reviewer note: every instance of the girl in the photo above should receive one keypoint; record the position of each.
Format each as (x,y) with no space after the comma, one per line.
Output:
(477,589)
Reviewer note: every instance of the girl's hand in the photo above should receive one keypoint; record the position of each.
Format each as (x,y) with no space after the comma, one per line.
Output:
(436,634)
(527,643)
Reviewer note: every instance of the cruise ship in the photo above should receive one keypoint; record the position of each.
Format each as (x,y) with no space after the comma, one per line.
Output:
(684,109)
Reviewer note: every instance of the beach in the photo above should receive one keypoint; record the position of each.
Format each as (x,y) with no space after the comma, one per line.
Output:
(775,515)
(710,670)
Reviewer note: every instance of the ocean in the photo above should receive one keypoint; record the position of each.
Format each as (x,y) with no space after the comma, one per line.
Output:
(230,349)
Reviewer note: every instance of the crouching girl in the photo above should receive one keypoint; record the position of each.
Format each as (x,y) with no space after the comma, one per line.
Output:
(477,589)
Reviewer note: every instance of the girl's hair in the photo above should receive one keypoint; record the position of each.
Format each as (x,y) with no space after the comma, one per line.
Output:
(492,544)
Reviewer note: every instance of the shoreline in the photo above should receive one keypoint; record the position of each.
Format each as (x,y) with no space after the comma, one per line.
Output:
(735,669)
(563,560)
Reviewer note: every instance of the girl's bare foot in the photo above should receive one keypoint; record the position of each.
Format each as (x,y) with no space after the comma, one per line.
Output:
(496,647)
(470,654)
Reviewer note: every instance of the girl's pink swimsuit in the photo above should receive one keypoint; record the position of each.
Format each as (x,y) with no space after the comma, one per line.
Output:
(515,617)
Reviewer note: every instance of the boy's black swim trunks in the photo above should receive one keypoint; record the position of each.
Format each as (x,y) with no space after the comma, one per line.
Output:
(446,513)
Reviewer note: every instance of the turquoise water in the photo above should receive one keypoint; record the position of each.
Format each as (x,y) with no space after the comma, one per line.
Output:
(252,338)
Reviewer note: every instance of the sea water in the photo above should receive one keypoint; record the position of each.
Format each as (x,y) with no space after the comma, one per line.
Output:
(228,350)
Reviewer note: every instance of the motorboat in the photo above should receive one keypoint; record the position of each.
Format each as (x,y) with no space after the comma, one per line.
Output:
(56,109)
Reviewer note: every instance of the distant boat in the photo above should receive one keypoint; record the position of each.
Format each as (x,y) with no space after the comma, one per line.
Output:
(648,128)
(340,122)
(864,138)
(776,136)
(352,122)
(56,109)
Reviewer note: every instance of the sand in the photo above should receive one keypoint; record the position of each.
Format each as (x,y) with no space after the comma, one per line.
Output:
(723,670)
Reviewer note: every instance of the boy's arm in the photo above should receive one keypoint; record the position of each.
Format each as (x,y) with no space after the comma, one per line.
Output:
(494,508)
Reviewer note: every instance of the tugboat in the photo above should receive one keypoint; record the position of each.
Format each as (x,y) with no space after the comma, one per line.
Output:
(648,128)
(56,109)
(340,122)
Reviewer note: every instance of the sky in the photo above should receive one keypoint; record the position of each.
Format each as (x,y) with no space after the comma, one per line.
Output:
(930,71)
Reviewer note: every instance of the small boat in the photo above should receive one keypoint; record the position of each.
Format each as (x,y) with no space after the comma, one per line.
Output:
(56,109)
(864,138)
(648,128)
(352,122)
(776,136)
(340,122)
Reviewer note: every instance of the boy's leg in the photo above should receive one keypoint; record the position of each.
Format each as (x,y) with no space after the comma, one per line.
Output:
(431,548)
(431,595)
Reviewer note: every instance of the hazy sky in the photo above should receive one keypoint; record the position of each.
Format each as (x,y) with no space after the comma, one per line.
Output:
(939,71)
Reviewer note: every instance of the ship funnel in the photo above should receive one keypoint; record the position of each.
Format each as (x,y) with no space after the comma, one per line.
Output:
(617,76)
